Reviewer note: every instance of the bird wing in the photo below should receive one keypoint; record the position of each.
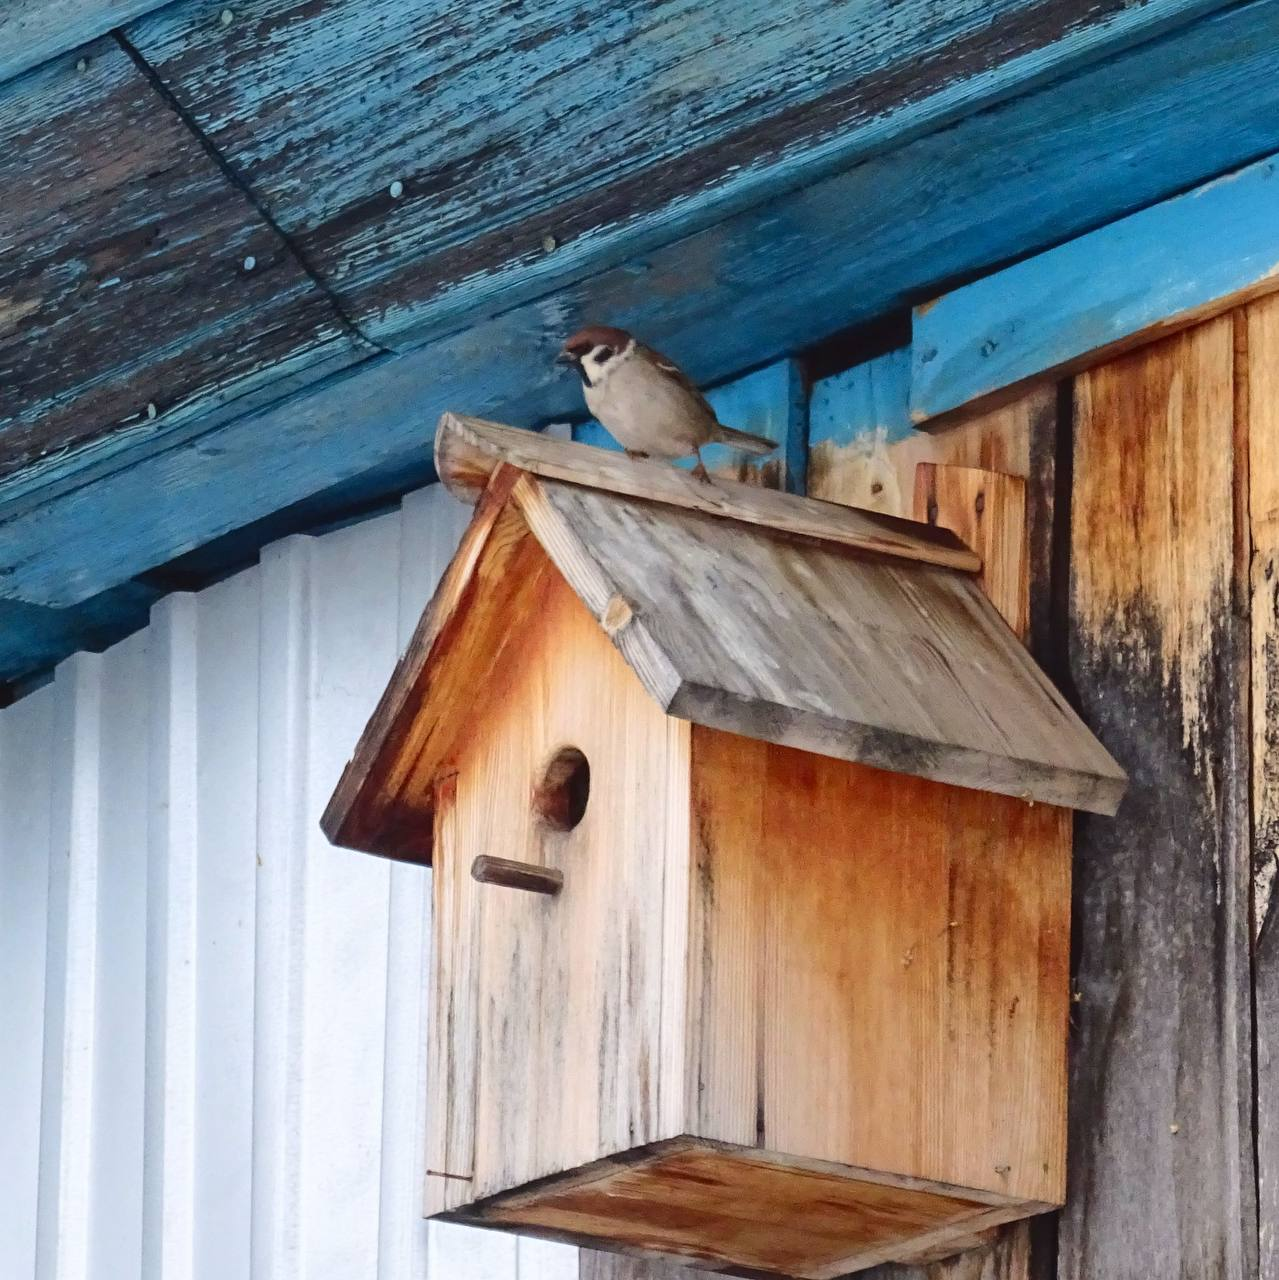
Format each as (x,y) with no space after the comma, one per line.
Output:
(668,368)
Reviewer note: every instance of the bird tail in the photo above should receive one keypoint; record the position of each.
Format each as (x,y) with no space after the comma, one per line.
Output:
(743,440)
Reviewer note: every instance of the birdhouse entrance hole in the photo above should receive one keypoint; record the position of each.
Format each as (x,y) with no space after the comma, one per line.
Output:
(561,793)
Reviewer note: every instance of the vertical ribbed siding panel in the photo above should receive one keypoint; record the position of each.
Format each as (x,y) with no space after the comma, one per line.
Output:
(120,1044)
(168,1203)
(354,644)
(218,1020)
(227,831)
(26,733)
(66,1103)
(285,676)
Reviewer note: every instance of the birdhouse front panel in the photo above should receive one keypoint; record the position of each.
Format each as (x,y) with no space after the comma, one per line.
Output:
(551,1014)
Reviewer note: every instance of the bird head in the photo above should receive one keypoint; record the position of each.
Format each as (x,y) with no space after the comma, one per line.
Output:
(594,351)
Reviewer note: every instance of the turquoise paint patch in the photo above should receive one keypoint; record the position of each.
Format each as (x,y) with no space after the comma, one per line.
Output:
(862,401)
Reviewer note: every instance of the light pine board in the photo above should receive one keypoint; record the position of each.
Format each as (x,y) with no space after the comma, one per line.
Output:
(214,1021)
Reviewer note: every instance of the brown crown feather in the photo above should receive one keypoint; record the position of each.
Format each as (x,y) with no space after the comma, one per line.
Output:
(596,335)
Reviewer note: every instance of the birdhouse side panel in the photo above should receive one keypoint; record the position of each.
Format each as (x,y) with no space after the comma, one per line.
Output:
(880,969)
(576,997)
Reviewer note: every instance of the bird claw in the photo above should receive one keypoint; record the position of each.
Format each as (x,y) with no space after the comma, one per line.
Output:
(701,473)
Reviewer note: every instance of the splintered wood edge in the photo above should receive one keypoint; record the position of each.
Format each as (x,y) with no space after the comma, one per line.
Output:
(467,450)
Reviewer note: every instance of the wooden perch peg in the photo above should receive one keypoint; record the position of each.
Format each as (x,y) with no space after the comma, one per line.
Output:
(517,875)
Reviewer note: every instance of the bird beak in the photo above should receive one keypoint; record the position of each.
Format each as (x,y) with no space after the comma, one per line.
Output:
(565,357)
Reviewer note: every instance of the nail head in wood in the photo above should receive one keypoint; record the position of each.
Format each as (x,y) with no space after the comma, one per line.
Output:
(517,875)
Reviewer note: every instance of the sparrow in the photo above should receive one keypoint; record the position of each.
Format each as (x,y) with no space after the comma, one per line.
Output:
(646,402)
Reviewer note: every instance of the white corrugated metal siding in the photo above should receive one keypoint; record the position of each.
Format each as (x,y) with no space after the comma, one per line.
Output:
(213,1022)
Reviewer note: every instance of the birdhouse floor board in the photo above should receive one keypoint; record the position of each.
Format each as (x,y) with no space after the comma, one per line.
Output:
(746,1212)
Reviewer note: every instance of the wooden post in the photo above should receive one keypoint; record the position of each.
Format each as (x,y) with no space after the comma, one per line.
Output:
(1257,403)
(1160,1118)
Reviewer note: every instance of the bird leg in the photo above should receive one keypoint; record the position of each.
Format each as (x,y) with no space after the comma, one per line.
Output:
(700,470)
(635,454)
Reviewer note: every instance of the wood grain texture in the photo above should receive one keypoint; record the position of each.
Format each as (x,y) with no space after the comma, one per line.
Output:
(1258,373)
(370,808)
(505,125)
(945,1004)
(1160,1088)
(134,293)
(864,449)
(988,510)
(467,450)
(569,1007)
(865,445)
(743,1211)
(899,665)
(1153,272)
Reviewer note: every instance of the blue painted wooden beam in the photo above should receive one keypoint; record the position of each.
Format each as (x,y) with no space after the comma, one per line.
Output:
(425,157)
(35,31)
(1156,271)
(744,292)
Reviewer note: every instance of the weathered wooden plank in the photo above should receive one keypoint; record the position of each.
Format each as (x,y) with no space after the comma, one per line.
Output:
(904,666)
(126,298)
(1155,271)
(1160,1090)
(612,141)
(468,451)
(828,256)
(35,31)
(745,1211)
(1258,373)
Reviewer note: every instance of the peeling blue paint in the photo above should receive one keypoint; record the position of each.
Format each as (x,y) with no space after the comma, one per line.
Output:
(1050,311)
(863,402)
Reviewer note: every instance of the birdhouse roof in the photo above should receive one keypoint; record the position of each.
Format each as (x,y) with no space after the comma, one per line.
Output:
(838,631)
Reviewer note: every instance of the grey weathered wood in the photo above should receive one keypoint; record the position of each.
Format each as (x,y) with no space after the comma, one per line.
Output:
(467,450)
(1160,1157)
(904,666)
(510,874)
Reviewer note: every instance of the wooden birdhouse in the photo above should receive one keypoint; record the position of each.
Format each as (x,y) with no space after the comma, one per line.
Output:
(750,821)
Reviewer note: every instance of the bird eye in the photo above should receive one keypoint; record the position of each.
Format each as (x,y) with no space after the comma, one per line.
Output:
(603,353)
